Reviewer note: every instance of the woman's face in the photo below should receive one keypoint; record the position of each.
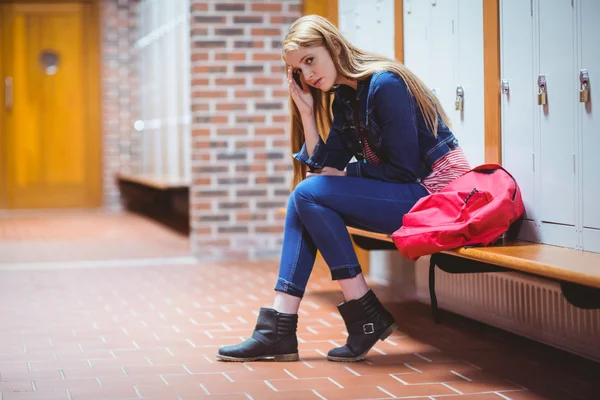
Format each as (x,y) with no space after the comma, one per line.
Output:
(315,65)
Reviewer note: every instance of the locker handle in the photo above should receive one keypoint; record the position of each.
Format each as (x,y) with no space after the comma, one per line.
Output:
(584,91)
(542,91)
(460,98)
(505,86)
(8,92)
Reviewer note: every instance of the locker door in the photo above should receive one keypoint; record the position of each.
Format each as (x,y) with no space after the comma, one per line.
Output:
(558,123)
(590,119)
(416,43)
(348,20)
(365,17)
(469,123)
(442,56)
(518,103)
(381,27)
(369,26)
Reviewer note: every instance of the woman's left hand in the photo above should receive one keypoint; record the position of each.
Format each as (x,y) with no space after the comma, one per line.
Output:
(326,171)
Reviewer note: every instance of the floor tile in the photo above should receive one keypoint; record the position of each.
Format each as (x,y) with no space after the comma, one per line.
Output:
(122,329)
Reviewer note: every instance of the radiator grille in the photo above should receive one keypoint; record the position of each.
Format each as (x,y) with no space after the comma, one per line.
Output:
(529,306)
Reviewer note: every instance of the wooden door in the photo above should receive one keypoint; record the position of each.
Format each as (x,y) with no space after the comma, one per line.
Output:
(50,116)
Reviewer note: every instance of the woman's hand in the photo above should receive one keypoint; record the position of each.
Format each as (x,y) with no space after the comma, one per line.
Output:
(301,95)
(329,171)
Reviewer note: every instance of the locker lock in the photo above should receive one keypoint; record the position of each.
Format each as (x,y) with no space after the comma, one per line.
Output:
(584,91)
(460,98)
(505,86)
(542,91)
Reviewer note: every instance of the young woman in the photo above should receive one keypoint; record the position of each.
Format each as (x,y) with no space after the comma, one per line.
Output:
(393,125)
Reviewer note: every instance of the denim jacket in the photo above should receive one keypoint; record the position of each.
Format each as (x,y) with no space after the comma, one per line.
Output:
(394,127)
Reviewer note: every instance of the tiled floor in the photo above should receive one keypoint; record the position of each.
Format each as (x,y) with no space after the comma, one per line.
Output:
(112,332)
(54,236)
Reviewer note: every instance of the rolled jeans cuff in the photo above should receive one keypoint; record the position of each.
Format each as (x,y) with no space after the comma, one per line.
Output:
(345,272)
(288,288)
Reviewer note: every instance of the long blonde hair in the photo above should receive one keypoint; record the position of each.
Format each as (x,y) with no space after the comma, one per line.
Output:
(354,64)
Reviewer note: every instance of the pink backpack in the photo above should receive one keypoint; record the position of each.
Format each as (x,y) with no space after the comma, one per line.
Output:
(475,209)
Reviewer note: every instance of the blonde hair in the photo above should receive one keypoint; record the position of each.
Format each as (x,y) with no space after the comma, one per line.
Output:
(354,64)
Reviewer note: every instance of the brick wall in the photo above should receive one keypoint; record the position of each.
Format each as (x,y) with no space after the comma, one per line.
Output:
(118,20)
(240,158)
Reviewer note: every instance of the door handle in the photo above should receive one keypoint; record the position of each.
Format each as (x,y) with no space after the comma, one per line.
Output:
(8,92)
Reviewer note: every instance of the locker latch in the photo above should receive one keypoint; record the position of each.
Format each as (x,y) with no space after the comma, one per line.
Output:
(542,92)
(584,91)
(460,98)
(505,86)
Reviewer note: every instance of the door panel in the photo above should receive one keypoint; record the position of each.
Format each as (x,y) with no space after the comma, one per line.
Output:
(469,124)
(518,104)
(590,60)
(590,117)
(51,135)
(557,125)
(442,52)
(416,47)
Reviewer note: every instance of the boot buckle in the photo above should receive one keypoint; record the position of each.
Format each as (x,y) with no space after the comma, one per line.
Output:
(368,329)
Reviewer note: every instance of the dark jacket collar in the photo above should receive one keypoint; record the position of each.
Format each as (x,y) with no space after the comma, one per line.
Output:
(347,94)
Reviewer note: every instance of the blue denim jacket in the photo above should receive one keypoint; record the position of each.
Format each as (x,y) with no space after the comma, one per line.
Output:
(395,130)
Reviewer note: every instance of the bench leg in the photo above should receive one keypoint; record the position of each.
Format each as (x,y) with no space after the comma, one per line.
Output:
(434,304)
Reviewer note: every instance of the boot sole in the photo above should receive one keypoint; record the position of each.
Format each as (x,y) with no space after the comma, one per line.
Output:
(277,357)
(361,357)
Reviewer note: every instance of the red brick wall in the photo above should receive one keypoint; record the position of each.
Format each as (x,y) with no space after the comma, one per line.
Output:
(121,148)
(240,157)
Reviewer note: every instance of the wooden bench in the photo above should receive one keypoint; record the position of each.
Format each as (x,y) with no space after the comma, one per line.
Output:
(153,181)
(578,272)
(161,198)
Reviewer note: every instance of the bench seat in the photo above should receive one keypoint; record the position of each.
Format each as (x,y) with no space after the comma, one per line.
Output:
(153,181)
(577,271)
(554,262)
(161,198)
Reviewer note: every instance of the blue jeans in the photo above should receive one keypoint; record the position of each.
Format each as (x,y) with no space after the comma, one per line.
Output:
(317,214)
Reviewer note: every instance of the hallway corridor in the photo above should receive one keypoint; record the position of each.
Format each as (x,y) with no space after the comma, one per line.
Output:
(98,306)
(66,236)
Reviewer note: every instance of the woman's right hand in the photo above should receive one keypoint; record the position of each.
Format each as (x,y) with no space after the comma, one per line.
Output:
(302,97)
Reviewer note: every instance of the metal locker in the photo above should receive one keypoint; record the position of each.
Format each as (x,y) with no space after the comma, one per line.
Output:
(558,131)
(369,26)
(442,51)
(416,42)
(588,77)
(518,91)
(468,120)
(381,27)
(348,20)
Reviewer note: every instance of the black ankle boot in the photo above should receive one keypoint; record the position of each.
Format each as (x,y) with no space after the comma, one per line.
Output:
(367,322)
(274,337)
